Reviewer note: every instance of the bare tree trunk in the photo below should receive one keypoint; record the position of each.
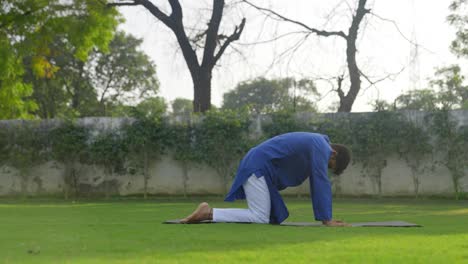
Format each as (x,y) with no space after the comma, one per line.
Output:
(347,101)
(214,44)
(202,90)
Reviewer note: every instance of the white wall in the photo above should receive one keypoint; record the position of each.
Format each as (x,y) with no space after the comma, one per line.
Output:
(167,179)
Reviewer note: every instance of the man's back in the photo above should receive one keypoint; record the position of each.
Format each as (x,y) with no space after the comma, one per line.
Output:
(287,158)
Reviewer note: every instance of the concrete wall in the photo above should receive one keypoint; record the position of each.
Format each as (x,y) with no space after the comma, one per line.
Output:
(168,176)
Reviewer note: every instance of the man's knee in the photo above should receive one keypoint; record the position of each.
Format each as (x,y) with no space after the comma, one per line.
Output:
(259,217)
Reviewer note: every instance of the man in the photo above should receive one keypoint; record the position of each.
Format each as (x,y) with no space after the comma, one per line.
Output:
(280,162)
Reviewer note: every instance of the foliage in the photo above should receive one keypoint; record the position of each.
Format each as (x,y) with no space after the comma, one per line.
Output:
(265,96)
(14,102)
(99,86)
(459,20)
(448,91)
(181,143)
(151,109)
(145,140)
(374,138)
(221,139)
(26,148)
(182,106)
(452,143)
(452,92)
(124,73)
(27,28)
(68,142)
(69,146)
(283,122)
(381,105)
(108,150)
(425,100)
(414,146)
(4,140)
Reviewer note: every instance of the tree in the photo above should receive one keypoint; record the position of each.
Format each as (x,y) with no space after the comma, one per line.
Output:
(13,93)
(124,73)
(214,44)
(346,99)
(25,149)
(68,146)
(108,150)
(220,140)
(182,148)
(182,106)
(264,96)
(452,92)
(27,28)
(425,100)
(145,141)
(451,142)
(459,20)
(66,93)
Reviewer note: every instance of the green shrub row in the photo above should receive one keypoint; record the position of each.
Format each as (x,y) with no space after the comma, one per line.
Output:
(220,138)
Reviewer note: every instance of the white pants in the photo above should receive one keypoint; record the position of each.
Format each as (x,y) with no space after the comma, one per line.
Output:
(258,201)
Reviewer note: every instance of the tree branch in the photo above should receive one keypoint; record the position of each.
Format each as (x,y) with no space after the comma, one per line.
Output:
(400,32)
(233,37)
(176,14)
(212,33)
(272,39)
(150,7)
(12,19)
(339,90)
(322,33)
(388,76)
(121,4)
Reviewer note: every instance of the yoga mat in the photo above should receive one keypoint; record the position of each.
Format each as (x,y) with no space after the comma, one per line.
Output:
(362,224)
(318,224)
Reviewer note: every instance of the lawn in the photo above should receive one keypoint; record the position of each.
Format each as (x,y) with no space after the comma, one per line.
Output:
(130,231)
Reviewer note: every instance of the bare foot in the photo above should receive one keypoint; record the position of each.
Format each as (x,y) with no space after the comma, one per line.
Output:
(203,212)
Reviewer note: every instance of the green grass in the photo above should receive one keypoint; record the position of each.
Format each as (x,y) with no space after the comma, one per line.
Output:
(130,231)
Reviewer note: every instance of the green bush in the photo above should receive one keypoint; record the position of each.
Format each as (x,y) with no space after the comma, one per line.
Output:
(221,139)
(26,148)
(145,140)
(181,142)
(451,143)
(108,150)
(68,146)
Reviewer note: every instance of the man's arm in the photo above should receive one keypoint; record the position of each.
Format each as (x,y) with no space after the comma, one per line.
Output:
(320,190)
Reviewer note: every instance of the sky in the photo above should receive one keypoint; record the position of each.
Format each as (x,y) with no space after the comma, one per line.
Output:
(385,49)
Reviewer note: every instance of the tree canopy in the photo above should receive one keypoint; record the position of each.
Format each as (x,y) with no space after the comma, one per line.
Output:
(27,29)
(263,96)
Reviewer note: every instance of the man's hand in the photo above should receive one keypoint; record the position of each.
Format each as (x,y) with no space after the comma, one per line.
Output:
(335,223)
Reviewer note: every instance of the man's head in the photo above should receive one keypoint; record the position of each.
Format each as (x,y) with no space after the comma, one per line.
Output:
(339,159)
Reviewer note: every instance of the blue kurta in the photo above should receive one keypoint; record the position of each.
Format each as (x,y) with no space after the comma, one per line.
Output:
(287,160)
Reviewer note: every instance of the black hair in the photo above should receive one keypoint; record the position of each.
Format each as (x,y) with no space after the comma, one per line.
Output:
(343,157)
